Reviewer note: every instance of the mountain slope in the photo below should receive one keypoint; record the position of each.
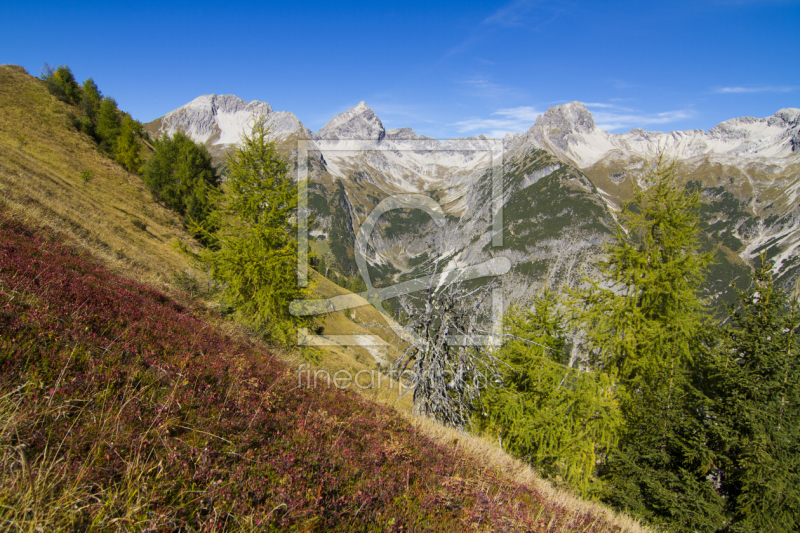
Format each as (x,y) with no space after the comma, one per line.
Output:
(166,422)
(120,405)
(42,158)
(748,170)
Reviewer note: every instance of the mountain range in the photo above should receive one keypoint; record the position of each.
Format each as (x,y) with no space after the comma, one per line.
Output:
(564,181)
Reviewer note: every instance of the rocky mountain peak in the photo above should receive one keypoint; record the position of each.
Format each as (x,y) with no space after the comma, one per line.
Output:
(401,134)
(213,120)
(209,105)
(229,103)
(561,126)
(567,118)
(359,122)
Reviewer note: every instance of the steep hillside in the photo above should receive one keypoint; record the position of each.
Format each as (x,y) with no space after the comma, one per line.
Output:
(50,171)
(120,406)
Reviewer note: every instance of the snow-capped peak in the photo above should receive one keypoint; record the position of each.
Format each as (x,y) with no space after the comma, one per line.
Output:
(569,131)
(221,119)
(357,123)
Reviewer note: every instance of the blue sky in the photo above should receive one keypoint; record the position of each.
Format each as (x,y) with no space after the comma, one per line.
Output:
(444,69)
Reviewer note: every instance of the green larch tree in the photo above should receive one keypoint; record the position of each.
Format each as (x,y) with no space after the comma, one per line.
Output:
(126,145)
(107,127)
(91,98)
(181,174)
(61,84)
(251,231)
(560,419)
(646,327)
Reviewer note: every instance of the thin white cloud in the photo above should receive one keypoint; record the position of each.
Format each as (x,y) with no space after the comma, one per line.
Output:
(509,120)
(606,106)
(512,14)
(611,116)
(523,113)
(393,110)
(622,84)
(526,14)
(744,90)
(484,88)
(611,121)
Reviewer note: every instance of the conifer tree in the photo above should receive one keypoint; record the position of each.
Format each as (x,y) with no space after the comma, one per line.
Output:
(126,145)
(108,124)
(562,420)
(758,408)
(646,326)
(61,84)
(91,98)
(322,266)
(251,230)
(181,174)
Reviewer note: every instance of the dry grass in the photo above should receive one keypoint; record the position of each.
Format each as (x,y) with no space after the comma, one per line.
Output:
(41,161)
(489,453)
(54,492)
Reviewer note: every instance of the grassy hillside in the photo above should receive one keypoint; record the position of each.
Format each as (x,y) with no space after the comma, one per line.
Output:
(122,408)
(111,213)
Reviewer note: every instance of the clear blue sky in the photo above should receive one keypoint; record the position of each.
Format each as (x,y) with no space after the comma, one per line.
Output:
(445,69)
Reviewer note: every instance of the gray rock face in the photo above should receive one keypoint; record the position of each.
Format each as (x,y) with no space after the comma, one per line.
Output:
(220,119)
(790,116)
(357,123)
(564,124)
(401,134)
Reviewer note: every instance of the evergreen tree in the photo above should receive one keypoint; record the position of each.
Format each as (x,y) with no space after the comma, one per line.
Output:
(646,328)
(126,145)
(61,84)
(252,234)
(322,267)
(107,127)
(357,285)
(562,420)
(91,98)
(758,409)
(181,174)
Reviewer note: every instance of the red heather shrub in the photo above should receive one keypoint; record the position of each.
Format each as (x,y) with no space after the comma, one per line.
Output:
(127,384)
